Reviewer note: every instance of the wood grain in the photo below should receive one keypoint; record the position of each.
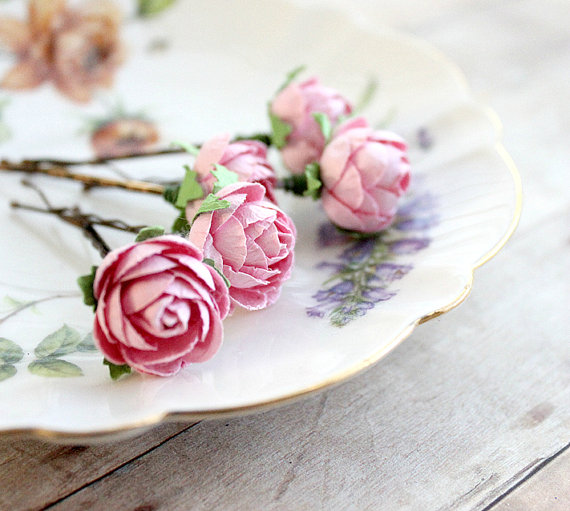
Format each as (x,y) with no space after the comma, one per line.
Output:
(34,474)
(547,490)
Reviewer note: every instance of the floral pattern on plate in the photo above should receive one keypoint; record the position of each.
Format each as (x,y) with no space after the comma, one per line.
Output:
(48,353)
(363,274)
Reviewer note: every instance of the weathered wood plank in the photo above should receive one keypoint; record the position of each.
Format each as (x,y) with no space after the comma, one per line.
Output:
(547,490)
(34,473)
(452,419)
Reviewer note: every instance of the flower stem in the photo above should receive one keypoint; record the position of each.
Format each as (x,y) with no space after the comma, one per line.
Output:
(260,137)
(59,168)
(295,184)
(78,220)
(27,305)
(76,213)
(60,171)
(75,217)
(101,161)
(292,184)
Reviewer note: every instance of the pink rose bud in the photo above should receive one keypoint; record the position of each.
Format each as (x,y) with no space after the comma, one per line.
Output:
(252,243)
(364,172)
(247,158)
(159,306)
(295,105)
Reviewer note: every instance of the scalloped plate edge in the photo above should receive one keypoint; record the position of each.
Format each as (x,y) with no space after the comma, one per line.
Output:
(138,427)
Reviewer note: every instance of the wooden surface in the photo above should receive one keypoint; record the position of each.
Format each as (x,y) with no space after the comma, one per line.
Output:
(472,412)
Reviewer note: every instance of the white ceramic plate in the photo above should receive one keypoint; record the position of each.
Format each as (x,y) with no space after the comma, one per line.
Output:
(198,69)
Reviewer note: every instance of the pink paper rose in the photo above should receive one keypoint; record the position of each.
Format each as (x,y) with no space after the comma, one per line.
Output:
(252,242)
(247,158)
(159,306)
(295,105)
(364,172)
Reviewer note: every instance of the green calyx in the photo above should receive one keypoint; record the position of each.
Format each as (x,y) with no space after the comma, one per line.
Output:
(149,232)
(116,371)
(308,184)
(189,190)
(280,130)
(290,76)
(210,262)
(314,183)
(325,124)
(224,177)
(148,8)
(179,196)
(85,283)
(211,203)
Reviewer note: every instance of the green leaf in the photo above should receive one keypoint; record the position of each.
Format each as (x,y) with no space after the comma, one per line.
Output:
(290,76)
(7,371)
(314,183)
(264,138)
(10,352)
(224,176)
(280,130)
(366,96)
(54,368)
(149,232)
(295,184)
(181,225)
(211,203)
(210,262)
(87,344)
(325,124)
(190,189)
(189,148)
(12,302)
(170,194)
(85,283)
(61,342)
(116,371)
(152,7)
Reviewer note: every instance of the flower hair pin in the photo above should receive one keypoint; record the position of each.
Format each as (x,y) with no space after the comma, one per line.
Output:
(160,301)
(358,172)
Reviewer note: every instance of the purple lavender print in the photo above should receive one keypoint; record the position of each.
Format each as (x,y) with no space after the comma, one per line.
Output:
(363,273)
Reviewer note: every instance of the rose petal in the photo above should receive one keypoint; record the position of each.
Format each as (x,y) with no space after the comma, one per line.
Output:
(206,348)
(230,242)
(340,213)
(210,153)
(138,294)
(109,348)
(154,321)
(289,104)
(269,241)
(134,339)
(164,369)
(349,187)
